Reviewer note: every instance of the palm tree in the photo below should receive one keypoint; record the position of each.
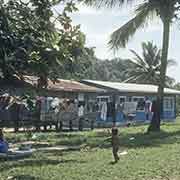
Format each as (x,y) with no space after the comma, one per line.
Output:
(145,69)
(166,10)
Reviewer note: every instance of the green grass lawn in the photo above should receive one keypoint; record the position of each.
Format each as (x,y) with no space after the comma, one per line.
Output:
(150,157)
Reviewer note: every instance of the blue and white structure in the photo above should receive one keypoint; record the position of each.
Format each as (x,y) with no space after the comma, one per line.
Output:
(140,96)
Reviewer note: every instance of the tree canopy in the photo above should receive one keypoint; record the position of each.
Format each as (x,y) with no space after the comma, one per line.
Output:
(35,42)
(145,69)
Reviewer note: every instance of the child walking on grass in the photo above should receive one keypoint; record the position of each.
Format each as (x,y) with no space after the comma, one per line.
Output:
(114,139)
(115,143)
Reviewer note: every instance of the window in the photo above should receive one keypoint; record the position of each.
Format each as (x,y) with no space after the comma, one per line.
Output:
(168,104)
(100,100)
(103,99)
(122,99)
(120,103)
(129,99)
(140,102)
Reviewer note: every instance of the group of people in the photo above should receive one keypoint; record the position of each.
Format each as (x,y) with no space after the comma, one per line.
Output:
(62,110)
(73,106)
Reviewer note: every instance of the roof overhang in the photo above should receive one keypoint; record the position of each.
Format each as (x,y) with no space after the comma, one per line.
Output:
(129,87)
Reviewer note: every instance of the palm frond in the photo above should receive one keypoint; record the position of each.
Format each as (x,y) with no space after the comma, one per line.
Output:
(169,81)
(107,3)
(146,69)
(151,54)
(138,60)
(156,60)
(132,79)
(121,36)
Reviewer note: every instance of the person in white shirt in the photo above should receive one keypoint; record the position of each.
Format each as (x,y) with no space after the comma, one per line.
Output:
(148,105)
(104,111)
(80,114)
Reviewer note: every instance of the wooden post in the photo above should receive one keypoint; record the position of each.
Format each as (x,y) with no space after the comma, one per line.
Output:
(60,125)
(92,124)
(37,127)
(81,123)
(70,125)
(175,107)
(45,127)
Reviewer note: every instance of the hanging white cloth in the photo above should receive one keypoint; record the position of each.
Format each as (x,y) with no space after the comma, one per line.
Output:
(55,102)
(148,105)
(104,111)
(81,111)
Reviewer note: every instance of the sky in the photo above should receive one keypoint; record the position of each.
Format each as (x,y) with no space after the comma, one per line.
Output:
(98,24)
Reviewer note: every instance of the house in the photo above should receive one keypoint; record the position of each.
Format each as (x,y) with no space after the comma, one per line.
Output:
(135,97)
(56,92)
(63,88)
(98,97)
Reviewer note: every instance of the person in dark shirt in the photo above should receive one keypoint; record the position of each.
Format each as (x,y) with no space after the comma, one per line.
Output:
(115,143)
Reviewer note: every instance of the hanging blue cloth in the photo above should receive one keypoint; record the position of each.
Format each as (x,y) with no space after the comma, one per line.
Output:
(3,146)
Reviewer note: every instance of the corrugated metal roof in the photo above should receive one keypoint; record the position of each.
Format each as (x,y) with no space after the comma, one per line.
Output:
(15,87)
(130,87)
(64,85)
(71,86)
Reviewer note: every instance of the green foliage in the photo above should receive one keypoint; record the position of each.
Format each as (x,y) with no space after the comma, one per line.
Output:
(145,69)
(87,66)
(62,47)
(109,70)
(36,42)
(12,51)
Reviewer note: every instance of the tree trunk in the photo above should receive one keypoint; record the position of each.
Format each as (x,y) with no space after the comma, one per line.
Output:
(60,125)
(114,109)
(80,124)
(156,120)
(70,125)
(7,73)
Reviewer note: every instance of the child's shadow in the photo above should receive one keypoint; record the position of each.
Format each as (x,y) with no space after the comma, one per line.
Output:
(113,162)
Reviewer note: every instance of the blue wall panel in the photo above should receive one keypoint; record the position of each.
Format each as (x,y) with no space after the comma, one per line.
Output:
(140,116)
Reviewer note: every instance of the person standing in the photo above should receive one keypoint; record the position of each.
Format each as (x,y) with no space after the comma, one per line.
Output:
(148,105)
(115,143)
(80,115)
(104,111)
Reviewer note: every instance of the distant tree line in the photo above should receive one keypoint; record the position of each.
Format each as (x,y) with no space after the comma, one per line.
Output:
(143,69)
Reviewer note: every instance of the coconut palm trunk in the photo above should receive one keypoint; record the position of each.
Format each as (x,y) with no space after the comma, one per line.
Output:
(155,123)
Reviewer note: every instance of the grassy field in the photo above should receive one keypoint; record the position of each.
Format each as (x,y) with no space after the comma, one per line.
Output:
(150,157)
